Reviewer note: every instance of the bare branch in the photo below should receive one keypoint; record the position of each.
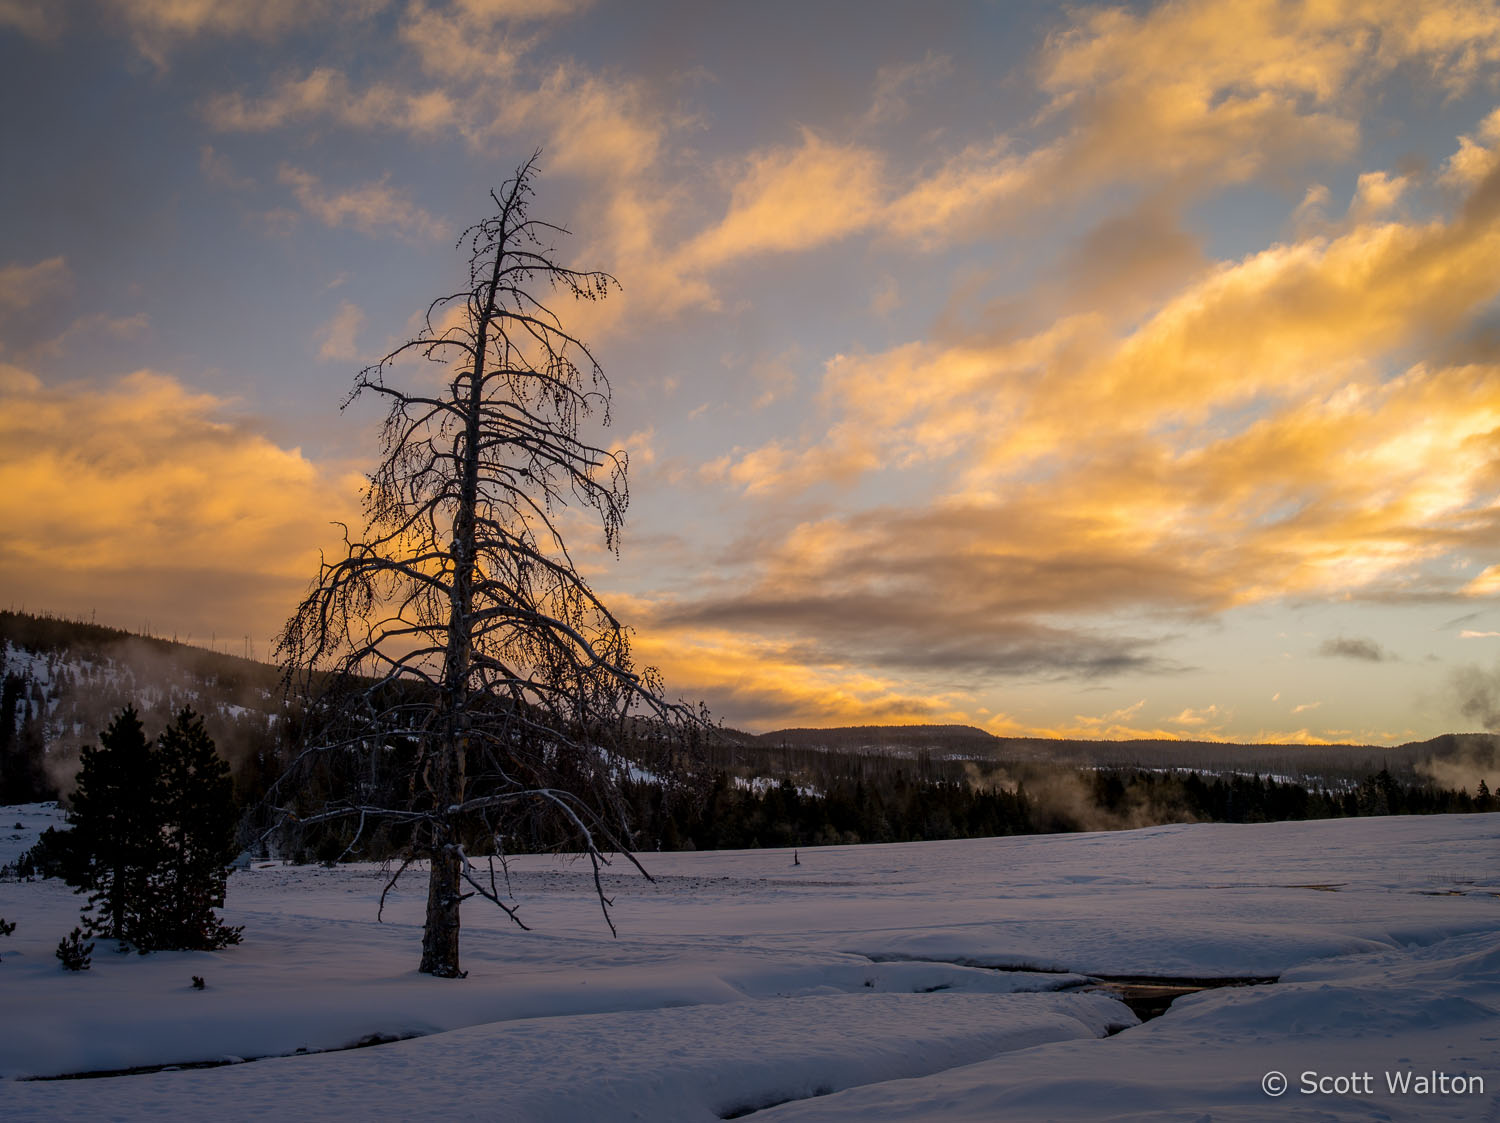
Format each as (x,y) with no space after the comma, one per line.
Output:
(457,669)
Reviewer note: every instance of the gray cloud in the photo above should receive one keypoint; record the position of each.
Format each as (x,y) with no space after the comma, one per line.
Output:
(1478,695)
(1353,647)
(928,635)
(912,590)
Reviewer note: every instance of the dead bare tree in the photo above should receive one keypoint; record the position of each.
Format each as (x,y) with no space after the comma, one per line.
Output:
(457,629)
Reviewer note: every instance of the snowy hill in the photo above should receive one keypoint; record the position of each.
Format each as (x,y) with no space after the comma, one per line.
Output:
(66,680)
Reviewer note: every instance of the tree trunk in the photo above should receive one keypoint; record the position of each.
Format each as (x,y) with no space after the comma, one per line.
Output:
(446,774)
(444,889)
(444,881)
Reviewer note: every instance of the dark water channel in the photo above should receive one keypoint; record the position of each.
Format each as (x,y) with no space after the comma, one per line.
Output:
(1148,996)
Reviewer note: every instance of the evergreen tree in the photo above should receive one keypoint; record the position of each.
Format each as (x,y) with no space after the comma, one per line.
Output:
(195,810)
(11,692)
(153,834)
(23,773)
(113,847)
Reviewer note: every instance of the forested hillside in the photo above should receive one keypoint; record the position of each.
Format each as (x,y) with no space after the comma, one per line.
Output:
(64,680)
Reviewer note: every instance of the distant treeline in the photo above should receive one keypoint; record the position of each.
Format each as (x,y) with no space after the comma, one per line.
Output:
(64,681)
(906,808)
(823,798)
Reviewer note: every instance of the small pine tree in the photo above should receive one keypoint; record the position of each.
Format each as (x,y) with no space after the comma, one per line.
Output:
(195,803)
(74,953)
(6,926)
(112,848)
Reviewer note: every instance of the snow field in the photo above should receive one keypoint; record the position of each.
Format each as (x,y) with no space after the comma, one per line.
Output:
(853,986)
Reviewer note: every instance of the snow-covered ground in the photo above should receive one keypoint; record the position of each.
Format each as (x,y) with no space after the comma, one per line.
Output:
(870,982)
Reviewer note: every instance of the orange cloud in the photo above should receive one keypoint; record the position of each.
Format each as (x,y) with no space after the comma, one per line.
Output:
(1474,160)
(769,684)
(1189,94)
(143,494)
(794,198)
(1222,91)
(1299,319)
(199,17)
(1265,433)
(1486,584)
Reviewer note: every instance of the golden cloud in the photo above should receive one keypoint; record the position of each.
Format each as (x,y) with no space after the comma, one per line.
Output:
(1224,90)
(522,10)
(1182,94)
(1198,93)
(143,495)
(1475,159)
(793,198)
(1486,584)
(1272,430)
(1295,321)
(764,683)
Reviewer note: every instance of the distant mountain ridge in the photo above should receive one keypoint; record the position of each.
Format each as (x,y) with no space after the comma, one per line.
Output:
(66,678)
(1467,753)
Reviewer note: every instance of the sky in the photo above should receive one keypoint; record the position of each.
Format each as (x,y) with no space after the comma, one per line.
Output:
(1063,370)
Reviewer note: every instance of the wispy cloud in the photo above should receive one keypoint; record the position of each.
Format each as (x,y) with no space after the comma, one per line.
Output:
(336,338)
(326,93)
(158,27)
(369,208)
(21,286)
(218,170)
(39,19)
(896,84)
